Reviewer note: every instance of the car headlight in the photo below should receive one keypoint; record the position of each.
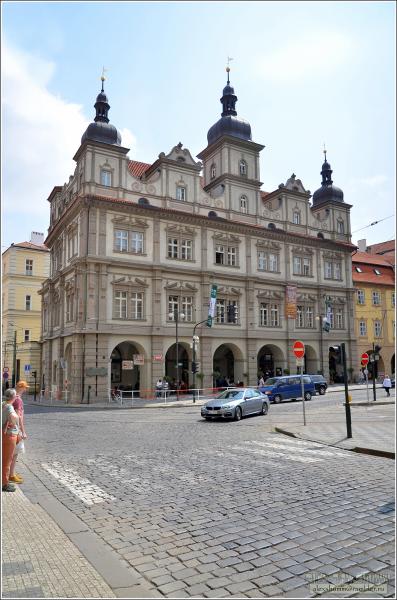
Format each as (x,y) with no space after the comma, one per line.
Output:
(227,406)
(268,393)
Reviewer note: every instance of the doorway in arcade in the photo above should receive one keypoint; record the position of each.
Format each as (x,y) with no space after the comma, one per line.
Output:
(270,361)
(129,377)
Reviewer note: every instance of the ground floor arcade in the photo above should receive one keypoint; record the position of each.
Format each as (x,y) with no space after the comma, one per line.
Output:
(88,366)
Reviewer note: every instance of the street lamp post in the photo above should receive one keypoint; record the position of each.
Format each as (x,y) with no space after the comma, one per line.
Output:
(14,361)
(176,317)
(194,364)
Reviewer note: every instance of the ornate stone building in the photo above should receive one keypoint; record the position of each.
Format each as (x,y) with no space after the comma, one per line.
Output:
(131,243)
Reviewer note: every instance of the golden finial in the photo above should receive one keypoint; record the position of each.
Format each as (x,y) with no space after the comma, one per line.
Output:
(103,78)
(229,59)
(325,152)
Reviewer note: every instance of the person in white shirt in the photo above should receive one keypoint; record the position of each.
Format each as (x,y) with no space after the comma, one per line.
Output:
(387,384)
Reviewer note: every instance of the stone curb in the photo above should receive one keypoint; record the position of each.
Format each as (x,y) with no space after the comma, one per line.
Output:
(358,449)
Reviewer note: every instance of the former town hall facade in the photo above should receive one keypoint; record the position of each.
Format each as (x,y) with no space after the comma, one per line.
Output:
(133,243)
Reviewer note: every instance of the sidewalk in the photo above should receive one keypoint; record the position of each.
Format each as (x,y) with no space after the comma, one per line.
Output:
(372,426)
(47,552)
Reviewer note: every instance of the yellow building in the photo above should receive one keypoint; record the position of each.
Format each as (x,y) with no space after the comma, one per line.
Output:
(374,280)
(25,266)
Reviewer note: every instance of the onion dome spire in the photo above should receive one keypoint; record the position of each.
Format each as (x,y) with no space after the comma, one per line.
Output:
(328,191)
(101,130)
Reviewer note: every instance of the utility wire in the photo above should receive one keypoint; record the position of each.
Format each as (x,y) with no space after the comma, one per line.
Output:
(374,223)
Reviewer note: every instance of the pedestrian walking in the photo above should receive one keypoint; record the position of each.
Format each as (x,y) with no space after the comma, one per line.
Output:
(261,382)
(387,384)
(20,389)
(159,387)
(10,431)
(165,386)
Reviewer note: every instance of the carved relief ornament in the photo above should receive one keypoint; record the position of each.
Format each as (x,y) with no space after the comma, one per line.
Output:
(180,286)
(269,295)
(129,281)
(129,221)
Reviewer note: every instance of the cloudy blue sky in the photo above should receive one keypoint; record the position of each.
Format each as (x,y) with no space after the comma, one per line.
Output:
(305,73)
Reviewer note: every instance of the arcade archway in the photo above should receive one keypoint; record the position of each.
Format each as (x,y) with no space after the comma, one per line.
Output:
(125,371)
(271,361)
(227,365)
(310,361)
(171,362)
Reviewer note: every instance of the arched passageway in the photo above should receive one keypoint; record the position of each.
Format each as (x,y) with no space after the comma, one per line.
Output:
(227,365)
(171,362)
(393,364)
(125,367)
(310,360)
(271,361)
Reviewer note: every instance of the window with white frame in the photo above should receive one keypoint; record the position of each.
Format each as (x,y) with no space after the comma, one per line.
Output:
(296,217)
(377,328)
(243,167)
(180,247)
(69,313)
(267,261)
(72,242)
(227,311)
(129,240)
(27,335)
(339,320)
(136,303)
(269,314)
(306,266)
(226,255)
(106,177)
(28,302)
(333,269)
(362,328)
(340,226)
(213,171)
(360,297)
(28,266)
(376,298)
(302,265)
(304,316)
(182,305)
(120,304)
(181,193)
(243,204)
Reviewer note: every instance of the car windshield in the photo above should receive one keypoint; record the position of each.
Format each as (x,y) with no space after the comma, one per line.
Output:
(232,395)
(271,381)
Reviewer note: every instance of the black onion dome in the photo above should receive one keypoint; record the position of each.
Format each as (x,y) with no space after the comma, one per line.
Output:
(229,126)
(101,130)
(328,191)
(229,123)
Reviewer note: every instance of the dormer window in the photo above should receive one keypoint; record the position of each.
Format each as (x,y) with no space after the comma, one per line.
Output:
(106,178)
(243,168)
(359,270)
(377,272)
(181,193)
(243,204)
(213,171)
(296,217)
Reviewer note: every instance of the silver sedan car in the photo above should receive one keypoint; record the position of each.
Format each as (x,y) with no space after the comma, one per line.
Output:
(236,403)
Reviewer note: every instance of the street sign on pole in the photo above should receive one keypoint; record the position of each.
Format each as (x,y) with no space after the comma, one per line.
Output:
(299,349)
(364,359)
(300,362)
(27,368)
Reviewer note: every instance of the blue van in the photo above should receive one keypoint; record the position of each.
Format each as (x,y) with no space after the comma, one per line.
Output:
(288,388)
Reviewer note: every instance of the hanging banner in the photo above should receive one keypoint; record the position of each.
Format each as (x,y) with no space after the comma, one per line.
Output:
(212,305)
(290,301)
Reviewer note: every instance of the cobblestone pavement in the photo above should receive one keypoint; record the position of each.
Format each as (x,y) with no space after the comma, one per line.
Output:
(220,509)
(39,561)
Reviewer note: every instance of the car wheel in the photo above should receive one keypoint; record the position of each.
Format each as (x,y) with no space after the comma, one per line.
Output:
(277,399)
(265,408)
(321,391)
(308,396)
(237,414)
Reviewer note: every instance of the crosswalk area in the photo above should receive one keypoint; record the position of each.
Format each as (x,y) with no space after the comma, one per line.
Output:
(286,449)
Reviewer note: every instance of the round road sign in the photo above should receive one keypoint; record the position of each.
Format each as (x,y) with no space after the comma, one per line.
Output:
(364,359)
(299,349)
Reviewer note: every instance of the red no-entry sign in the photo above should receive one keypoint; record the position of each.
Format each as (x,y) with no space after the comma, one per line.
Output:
(364,359)
(299,349)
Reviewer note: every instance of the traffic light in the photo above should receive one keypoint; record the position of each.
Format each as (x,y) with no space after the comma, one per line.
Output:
(336,353)
(231,313)
(195,366)
(34,374)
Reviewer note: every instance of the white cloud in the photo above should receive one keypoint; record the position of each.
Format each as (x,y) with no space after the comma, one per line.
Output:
(41,133)
(321,51)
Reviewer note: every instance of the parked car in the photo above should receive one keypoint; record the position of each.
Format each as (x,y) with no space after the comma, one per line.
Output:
(288,388)
(320,383)
(236,403)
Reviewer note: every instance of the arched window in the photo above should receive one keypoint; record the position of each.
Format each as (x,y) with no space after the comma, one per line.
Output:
(243,204)
(340,226)
(296,217)
(243,167)
(213,171)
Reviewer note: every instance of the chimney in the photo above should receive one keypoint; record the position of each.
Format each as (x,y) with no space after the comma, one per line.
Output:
(362,245)
(37,238)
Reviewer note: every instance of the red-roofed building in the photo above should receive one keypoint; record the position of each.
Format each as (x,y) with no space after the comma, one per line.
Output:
(374,281)
(135,243)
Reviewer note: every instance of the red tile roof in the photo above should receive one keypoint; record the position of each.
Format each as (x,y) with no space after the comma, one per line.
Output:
(370,259)
(367,263)
(136,168)
(31,246)
(382,247)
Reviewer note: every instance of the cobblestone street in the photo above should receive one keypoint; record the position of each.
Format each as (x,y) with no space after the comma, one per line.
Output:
(219,509)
